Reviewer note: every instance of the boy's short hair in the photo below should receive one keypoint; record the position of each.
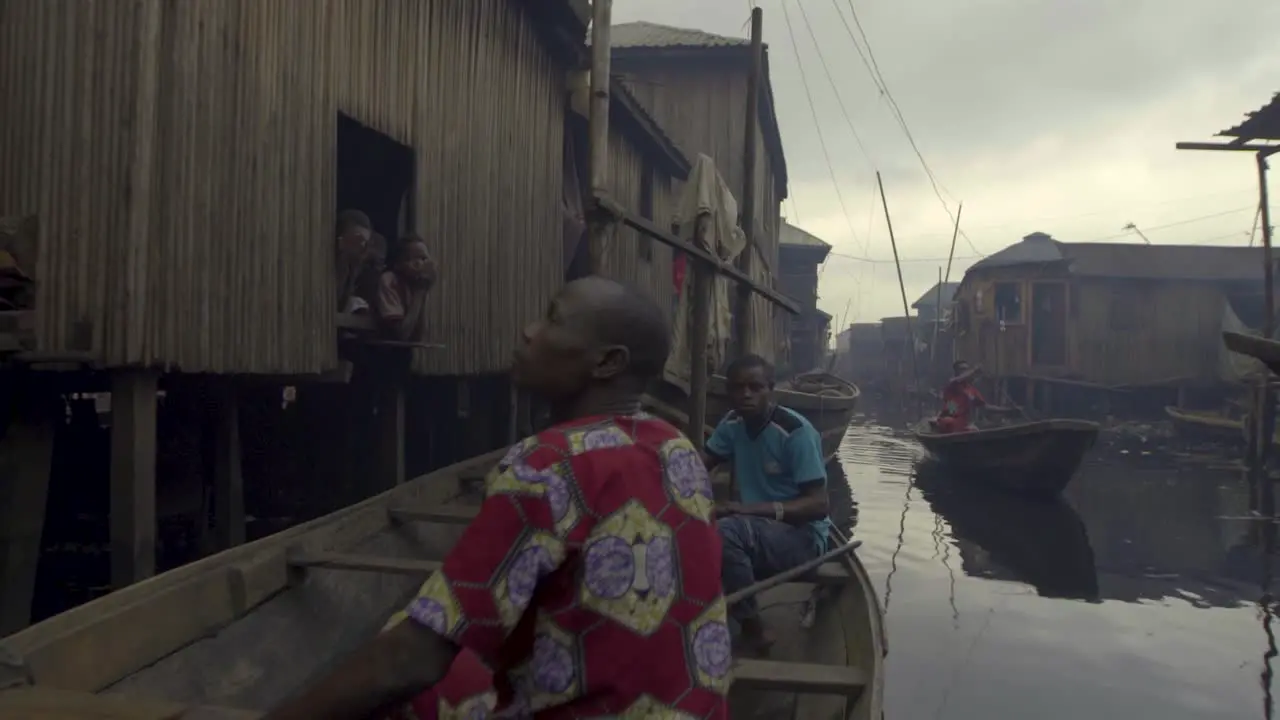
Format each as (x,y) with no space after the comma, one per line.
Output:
(748,362)
(397,251)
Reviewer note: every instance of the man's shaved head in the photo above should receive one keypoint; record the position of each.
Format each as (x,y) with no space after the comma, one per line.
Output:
(619,315)
(596,332)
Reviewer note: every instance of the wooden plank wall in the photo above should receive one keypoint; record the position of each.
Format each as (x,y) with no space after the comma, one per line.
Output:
(702,106)
(623,257)
(1171,331)
(180,156)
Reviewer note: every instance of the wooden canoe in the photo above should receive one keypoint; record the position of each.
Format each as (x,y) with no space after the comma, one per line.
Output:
(1200,425)
(825,400)
(1043,544)
(231,635)
(1037,458)
(1263,349)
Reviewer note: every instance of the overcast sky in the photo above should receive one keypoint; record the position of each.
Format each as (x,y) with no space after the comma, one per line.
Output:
(1037,114)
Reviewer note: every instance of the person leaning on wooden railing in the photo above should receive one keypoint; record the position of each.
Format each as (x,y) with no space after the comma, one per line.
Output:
(403,290)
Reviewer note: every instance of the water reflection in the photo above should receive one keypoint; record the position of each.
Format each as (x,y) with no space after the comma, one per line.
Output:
(1140,594)
(1005,537)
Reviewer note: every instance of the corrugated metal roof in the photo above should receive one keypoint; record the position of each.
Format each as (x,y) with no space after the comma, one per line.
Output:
(930,298)
(1133,261)
(641,39)
(1164,262)
(1034,248)
(653,35)
(792,235)
(1262,124)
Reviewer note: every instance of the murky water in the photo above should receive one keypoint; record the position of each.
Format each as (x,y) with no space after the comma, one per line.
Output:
(1138,597)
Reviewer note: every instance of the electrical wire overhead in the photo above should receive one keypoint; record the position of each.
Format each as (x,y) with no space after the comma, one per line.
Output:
(877,78)
(804,80)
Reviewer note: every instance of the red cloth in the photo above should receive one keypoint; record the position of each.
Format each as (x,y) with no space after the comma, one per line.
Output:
(589,581)
(679,266)
(958,401)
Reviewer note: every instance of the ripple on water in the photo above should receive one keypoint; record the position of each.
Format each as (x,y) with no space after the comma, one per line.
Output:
(1130,598)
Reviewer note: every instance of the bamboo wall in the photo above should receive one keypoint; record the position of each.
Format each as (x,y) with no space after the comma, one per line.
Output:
(180,156)
(702,106)
(1170,333)
(623,257)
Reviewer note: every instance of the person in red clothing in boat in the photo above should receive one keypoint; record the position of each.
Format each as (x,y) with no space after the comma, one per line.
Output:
(960,397)
(588,586)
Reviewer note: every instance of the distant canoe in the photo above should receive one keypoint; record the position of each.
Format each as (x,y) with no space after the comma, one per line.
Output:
(1038,458)
(1263,349)
(1195,425)
(825,400)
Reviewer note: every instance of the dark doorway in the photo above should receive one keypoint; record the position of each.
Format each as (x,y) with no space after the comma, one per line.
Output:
(375,176)
(1049,323)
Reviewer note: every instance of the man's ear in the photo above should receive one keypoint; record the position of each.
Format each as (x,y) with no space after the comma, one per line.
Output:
(612,362)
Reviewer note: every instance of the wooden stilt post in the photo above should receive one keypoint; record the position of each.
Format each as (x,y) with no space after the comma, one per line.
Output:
(391,434)
(228,480)
(598,128)
(742,309)
(26,457)
(513,423)
(133,476)
(1266,398)
(699,329)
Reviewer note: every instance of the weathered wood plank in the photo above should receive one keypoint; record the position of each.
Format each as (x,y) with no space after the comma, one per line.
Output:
(38,703)
(26,456)
(798,677)
(228,480)
(95,645)
(133,477)
(35,703)
(369,563)
(447,514)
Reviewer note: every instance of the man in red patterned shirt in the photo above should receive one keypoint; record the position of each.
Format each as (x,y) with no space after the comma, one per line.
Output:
(589,583)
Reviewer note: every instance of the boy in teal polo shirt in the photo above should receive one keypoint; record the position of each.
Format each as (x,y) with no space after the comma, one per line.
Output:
(780,520)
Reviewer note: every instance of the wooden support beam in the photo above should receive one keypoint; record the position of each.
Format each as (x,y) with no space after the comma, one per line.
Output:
(366,563)
(391,435)
(26,458)
(598,125)
(133,476)
(796,677)
(228,480)
(1248,147)
(605,204)
(699,329)
(742,308)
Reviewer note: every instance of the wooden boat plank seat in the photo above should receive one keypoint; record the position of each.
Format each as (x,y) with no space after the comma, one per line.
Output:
(41,703)
(373,563)
(799,677)
(448,514)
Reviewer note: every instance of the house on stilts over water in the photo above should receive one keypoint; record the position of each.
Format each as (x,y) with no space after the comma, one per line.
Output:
(176,370)
(1097,327)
